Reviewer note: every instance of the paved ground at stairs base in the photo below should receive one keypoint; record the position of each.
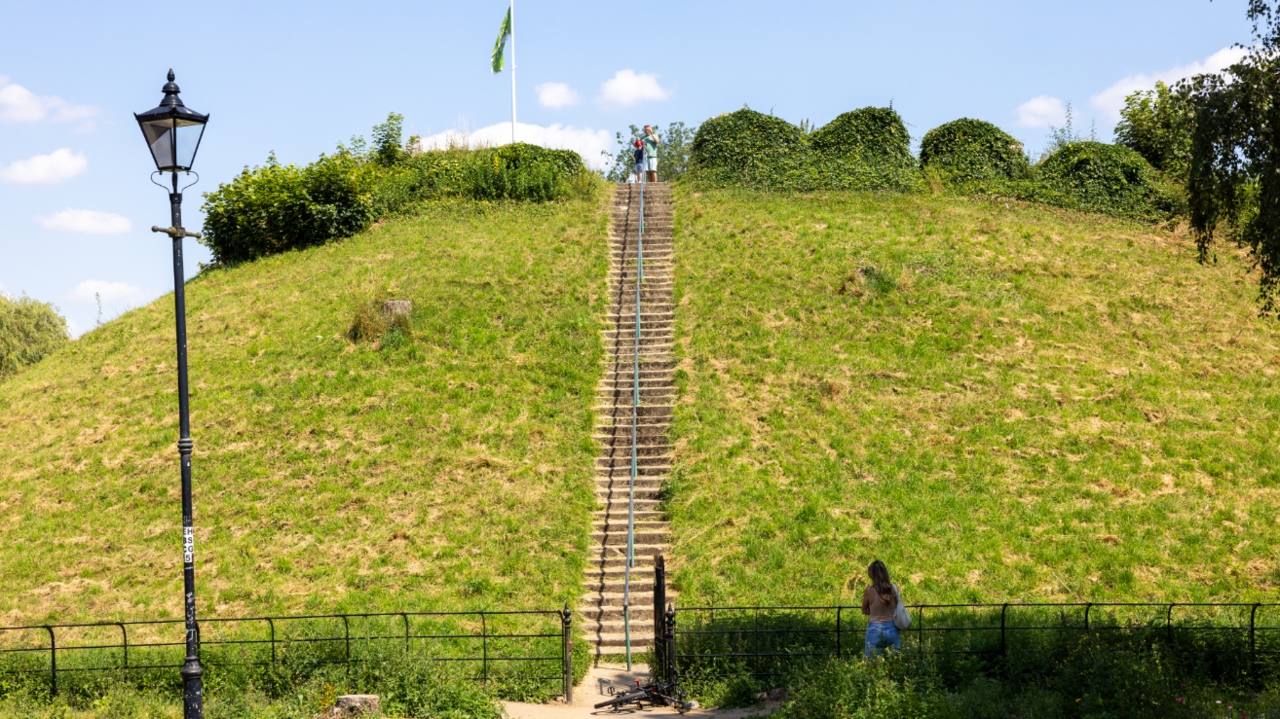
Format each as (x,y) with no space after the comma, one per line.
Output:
(595,689)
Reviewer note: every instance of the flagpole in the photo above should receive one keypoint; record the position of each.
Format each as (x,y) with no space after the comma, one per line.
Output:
(513,71)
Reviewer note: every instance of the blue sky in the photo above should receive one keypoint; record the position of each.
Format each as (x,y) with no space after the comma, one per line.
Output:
(296,78)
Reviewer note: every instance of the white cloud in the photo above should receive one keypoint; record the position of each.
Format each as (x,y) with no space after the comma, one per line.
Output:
(110,293)
(74,329)
(1111,100)
(18,104)
(626,88)
(87,221)
(586,142)
(1042,111)
(556,94)
(45,169)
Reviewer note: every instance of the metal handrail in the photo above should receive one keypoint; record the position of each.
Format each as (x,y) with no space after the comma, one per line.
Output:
(635,412)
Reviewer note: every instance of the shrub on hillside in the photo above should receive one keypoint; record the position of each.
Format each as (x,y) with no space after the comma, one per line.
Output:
(29,331)
(1097,177)
(276,208)
(748,149)
(739,140)
(968,149)
(875,134)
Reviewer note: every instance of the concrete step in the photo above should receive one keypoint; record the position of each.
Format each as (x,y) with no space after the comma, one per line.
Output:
(619,539)
(642,451)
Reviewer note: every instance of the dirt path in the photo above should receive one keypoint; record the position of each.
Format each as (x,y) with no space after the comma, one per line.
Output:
(602,605)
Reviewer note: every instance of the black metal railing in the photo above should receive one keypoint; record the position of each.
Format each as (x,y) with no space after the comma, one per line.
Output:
(489,641)
(723,642)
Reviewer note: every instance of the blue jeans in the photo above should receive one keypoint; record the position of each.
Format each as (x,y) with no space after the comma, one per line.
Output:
(881,635)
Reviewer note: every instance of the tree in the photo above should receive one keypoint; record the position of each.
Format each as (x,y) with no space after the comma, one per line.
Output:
(1234,175)
(673,152)
(29,331)
(1158,124)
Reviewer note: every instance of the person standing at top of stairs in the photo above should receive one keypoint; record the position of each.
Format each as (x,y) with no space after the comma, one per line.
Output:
(651,151)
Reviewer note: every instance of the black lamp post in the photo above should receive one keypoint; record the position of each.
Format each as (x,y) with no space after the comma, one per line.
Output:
(173,133)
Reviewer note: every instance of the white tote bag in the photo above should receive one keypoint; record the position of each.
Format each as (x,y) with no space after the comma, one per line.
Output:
(901,619)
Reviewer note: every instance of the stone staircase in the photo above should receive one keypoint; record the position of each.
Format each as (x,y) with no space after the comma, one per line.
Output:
(602,605)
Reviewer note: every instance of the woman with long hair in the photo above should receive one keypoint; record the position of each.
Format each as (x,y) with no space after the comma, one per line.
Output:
(879,602)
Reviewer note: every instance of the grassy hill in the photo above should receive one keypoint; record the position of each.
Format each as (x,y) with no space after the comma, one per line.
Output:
(451,469)
(1003,403)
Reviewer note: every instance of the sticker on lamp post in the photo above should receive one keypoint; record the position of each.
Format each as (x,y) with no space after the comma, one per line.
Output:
(189,545)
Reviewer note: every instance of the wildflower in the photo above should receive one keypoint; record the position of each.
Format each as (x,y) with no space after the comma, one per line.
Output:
(1181,699)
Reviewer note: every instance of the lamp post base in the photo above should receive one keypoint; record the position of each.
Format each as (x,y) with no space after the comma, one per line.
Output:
(192,689)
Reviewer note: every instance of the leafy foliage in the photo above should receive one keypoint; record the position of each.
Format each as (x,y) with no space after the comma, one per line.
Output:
(973,149)
(386,141)
(874,134)
(1234,175)
(1097,177)
(739,141)
(275,208)
(749,149)
(1158,124)
(29,331)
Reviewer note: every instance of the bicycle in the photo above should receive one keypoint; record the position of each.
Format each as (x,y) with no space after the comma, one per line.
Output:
(655,693)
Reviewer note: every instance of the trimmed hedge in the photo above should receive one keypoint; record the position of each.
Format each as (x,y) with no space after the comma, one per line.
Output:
(740,140)
(748,149)
(1097,177)
(973,149)
(873,134)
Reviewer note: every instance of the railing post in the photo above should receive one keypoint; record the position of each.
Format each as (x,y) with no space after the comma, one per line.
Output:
(272,625)
(53,660)
(567,648)
(920,630)
(405,617)
(124,636)
(346,630)
(670,640)
(1004,647)
(1087,607)
(838,645)
(484,643)
(659,604)
(1253,647)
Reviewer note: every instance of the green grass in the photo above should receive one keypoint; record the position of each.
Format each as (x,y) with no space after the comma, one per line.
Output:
(450,471)
(1003,403)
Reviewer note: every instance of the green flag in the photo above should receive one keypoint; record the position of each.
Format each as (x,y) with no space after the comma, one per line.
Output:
(498,46)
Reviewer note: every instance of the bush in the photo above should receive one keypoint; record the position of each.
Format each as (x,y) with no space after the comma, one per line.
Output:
(1096,177)
(737,142)
(748,149)
(973,150)
(29,331)
(882,689)
(275,208)
(873,134)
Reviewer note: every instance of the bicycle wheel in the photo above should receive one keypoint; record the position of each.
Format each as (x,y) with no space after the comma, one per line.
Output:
(628,698)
